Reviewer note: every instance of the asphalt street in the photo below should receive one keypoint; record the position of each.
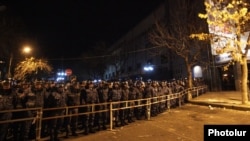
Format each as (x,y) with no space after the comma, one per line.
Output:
(184,123)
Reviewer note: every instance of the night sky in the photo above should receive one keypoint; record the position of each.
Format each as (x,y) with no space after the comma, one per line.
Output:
(67,28)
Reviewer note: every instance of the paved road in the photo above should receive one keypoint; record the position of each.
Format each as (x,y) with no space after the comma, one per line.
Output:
(180,124)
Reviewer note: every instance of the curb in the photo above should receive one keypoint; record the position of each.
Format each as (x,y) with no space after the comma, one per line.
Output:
(227,106)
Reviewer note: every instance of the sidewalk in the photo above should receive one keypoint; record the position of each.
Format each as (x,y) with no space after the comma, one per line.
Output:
(223,99)
(170,124)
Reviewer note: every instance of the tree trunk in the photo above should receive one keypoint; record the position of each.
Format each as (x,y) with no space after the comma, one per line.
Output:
(190,78)
(244,86)
(9,75)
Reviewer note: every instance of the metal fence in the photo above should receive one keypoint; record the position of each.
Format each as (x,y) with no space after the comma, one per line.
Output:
(180,98)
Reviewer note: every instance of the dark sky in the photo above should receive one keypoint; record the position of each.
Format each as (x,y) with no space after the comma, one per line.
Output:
(67,28)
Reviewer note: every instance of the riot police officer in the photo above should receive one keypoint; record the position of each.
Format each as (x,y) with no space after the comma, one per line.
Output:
(39,92)
(123,113)
(148,94)
(6,104)
(115,96)
(103,91)
(81,109)
(55,100)
(73,99)
(23,99)
(133,93)
(48,85)
(155,100)
(139,95)
(90,97)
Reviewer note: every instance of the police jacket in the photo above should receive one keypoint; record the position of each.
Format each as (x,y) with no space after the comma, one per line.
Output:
(90,96)
(6,99)
(73,97)
(115,94)
(103,94)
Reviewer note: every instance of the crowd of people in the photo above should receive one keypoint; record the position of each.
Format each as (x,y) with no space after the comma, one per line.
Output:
(49,94)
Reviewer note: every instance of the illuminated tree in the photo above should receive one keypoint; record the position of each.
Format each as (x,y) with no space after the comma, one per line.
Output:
(31,68)
(174,35)
(228,22)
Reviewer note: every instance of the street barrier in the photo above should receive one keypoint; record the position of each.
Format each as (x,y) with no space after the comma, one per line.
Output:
(176,99)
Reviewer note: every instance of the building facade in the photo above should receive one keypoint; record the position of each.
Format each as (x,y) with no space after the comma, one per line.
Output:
(135,57)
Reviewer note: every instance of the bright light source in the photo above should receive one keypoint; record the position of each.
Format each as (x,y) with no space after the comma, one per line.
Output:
(61,74)
(26,49)
(59,79)
(197,71)
(148,68)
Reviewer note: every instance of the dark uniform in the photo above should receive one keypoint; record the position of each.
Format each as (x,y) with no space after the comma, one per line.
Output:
(133,93)
(90,96)
(47,91)
(115,96)
(123,113)
(55,100)
(139,95)
(6,104)
(23,99)
(103,90)
(148,94)
(165,91)
(39,92)
(155,104)
(81,109)
(73,99)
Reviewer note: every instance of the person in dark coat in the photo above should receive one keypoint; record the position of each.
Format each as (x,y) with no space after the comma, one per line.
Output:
(55,100)
(23,99)
(115,96)
(73,99)
(6,104)
(103,91)
(90,97)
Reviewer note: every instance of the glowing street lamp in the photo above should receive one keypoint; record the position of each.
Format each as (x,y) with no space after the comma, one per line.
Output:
(26,50)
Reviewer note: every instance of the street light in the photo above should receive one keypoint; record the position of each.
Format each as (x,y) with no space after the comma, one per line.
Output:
(26,50)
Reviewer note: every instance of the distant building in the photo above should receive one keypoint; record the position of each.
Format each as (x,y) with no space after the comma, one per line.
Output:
(133,54)
(135,57)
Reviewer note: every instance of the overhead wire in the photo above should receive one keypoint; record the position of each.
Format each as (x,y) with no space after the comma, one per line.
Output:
(102,56)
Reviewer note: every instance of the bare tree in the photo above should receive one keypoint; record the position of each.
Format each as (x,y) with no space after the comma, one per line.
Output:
(174,35)
(228,21)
